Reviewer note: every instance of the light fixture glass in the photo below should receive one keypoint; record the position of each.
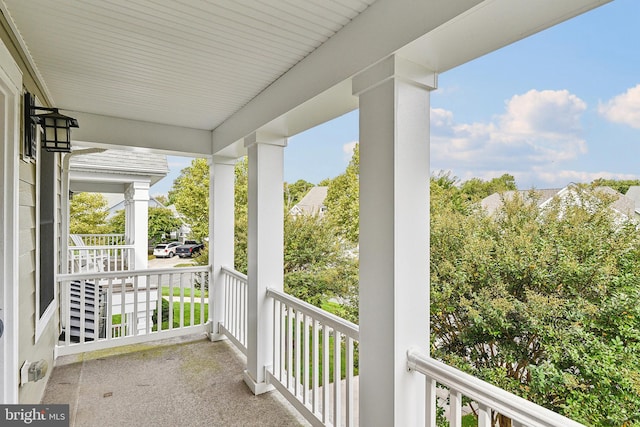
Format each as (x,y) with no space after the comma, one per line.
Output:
(56,127)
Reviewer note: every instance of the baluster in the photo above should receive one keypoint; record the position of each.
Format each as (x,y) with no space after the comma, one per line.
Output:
(431,406)
(455,408)
(484,416)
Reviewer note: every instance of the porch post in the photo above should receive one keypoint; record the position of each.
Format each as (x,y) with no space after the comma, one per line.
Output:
(137,221)
(265,250)
(221,235)
(394,239)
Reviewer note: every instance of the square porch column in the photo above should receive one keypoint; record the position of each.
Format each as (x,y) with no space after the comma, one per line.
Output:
(265,250)
(221,235)
(394,239)
(137,222)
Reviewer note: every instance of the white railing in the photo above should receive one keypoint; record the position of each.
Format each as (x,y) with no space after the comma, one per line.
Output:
(102,310)
(314,361)
(87,259)
(97,239)
(487,399)
(234,325)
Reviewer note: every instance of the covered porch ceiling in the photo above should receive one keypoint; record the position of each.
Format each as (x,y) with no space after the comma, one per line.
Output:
(197,76)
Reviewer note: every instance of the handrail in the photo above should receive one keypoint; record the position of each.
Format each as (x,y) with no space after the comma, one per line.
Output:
(234,273)
(131,273)
(329,319)
(483,393)
(100,247)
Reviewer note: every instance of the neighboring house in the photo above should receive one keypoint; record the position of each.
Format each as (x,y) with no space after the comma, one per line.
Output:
(633,193)
(622,204)
(181,233)
(312,203)
(117,204)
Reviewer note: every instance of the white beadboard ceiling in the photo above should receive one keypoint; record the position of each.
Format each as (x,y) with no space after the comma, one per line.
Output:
(190,63)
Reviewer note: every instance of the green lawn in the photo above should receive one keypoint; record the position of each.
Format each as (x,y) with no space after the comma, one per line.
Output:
(187,292)
(197,307)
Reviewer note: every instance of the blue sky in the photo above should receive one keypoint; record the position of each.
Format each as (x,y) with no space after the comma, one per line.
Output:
(558,107)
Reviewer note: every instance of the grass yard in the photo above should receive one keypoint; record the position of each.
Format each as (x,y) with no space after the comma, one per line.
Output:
(187,292)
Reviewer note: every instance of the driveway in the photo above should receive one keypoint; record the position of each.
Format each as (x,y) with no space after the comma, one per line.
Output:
(167,262)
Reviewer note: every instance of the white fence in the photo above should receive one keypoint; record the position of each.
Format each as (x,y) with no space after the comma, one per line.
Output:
(488,400)
(235,308)
(87,259)
(314,361)
(102,310)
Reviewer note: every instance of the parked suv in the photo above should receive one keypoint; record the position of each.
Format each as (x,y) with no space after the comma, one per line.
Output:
(165,250)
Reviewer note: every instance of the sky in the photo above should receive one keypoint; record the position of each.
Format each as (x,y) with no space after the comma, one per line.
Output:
(558,107)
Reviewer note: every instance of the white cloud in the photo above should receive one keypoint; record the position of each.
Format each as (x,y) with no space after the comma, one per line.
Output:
(624,108)
(564,176)
(347,150)
(537,128)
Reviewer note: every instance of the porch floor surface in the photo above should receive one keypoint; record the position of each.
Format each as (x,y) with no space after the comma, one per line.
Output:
(187,381)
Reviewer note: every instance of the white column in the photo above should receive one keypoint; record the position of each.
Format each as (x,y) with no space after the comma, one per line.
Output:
(221,235)
(394,239)
(265,250)
(137,222)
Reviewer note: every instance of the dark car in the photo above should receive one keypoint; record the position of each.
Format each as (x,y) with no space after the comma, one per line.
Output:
(189,249)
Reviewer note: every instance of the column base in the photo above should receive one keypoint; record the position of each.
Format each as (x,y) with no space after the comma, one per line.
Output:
(256,388)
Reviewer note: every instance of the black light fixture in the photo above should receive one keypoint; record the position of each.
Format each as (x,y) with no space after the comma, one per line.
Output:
(56,127)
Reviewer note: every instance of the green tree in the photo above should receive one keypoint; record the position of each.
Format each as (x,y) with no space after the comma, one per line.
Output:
(88,213)
(477,189)
(161,223)
(542,303)
(343,206)
(241,213)
(190,195)
(620,185)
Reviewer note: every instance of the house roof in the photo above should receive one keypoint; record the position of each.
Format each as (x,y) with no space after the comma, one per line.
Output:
(175,76)
(494,201)
(110,171)
(123,161)
(634,194)
(312,203)
(621,203)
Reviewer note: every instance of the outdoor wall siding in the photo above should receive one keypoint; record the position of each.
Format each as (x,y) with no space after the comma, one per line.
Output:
(28,348)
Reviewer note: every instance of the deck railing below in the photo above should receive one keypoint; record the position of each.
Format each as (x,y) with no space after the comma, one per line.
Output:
(87,259)
(97,239)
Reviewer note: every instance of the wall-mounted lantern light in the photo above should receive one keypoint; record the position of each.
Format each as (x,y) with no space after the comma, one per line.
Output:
(56,127)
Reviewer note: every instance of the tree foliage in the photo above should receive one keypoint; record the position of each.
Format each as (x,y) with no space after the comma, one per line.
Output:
(316,267)
(241,212)
(477,189)
(541,302)
(190,195)
(88,213)
(161,223)
(343,206)
(620,185)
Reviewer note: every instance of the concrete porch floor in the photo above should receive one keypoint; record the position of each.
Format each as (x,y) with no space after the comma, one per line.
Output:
(188,381)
